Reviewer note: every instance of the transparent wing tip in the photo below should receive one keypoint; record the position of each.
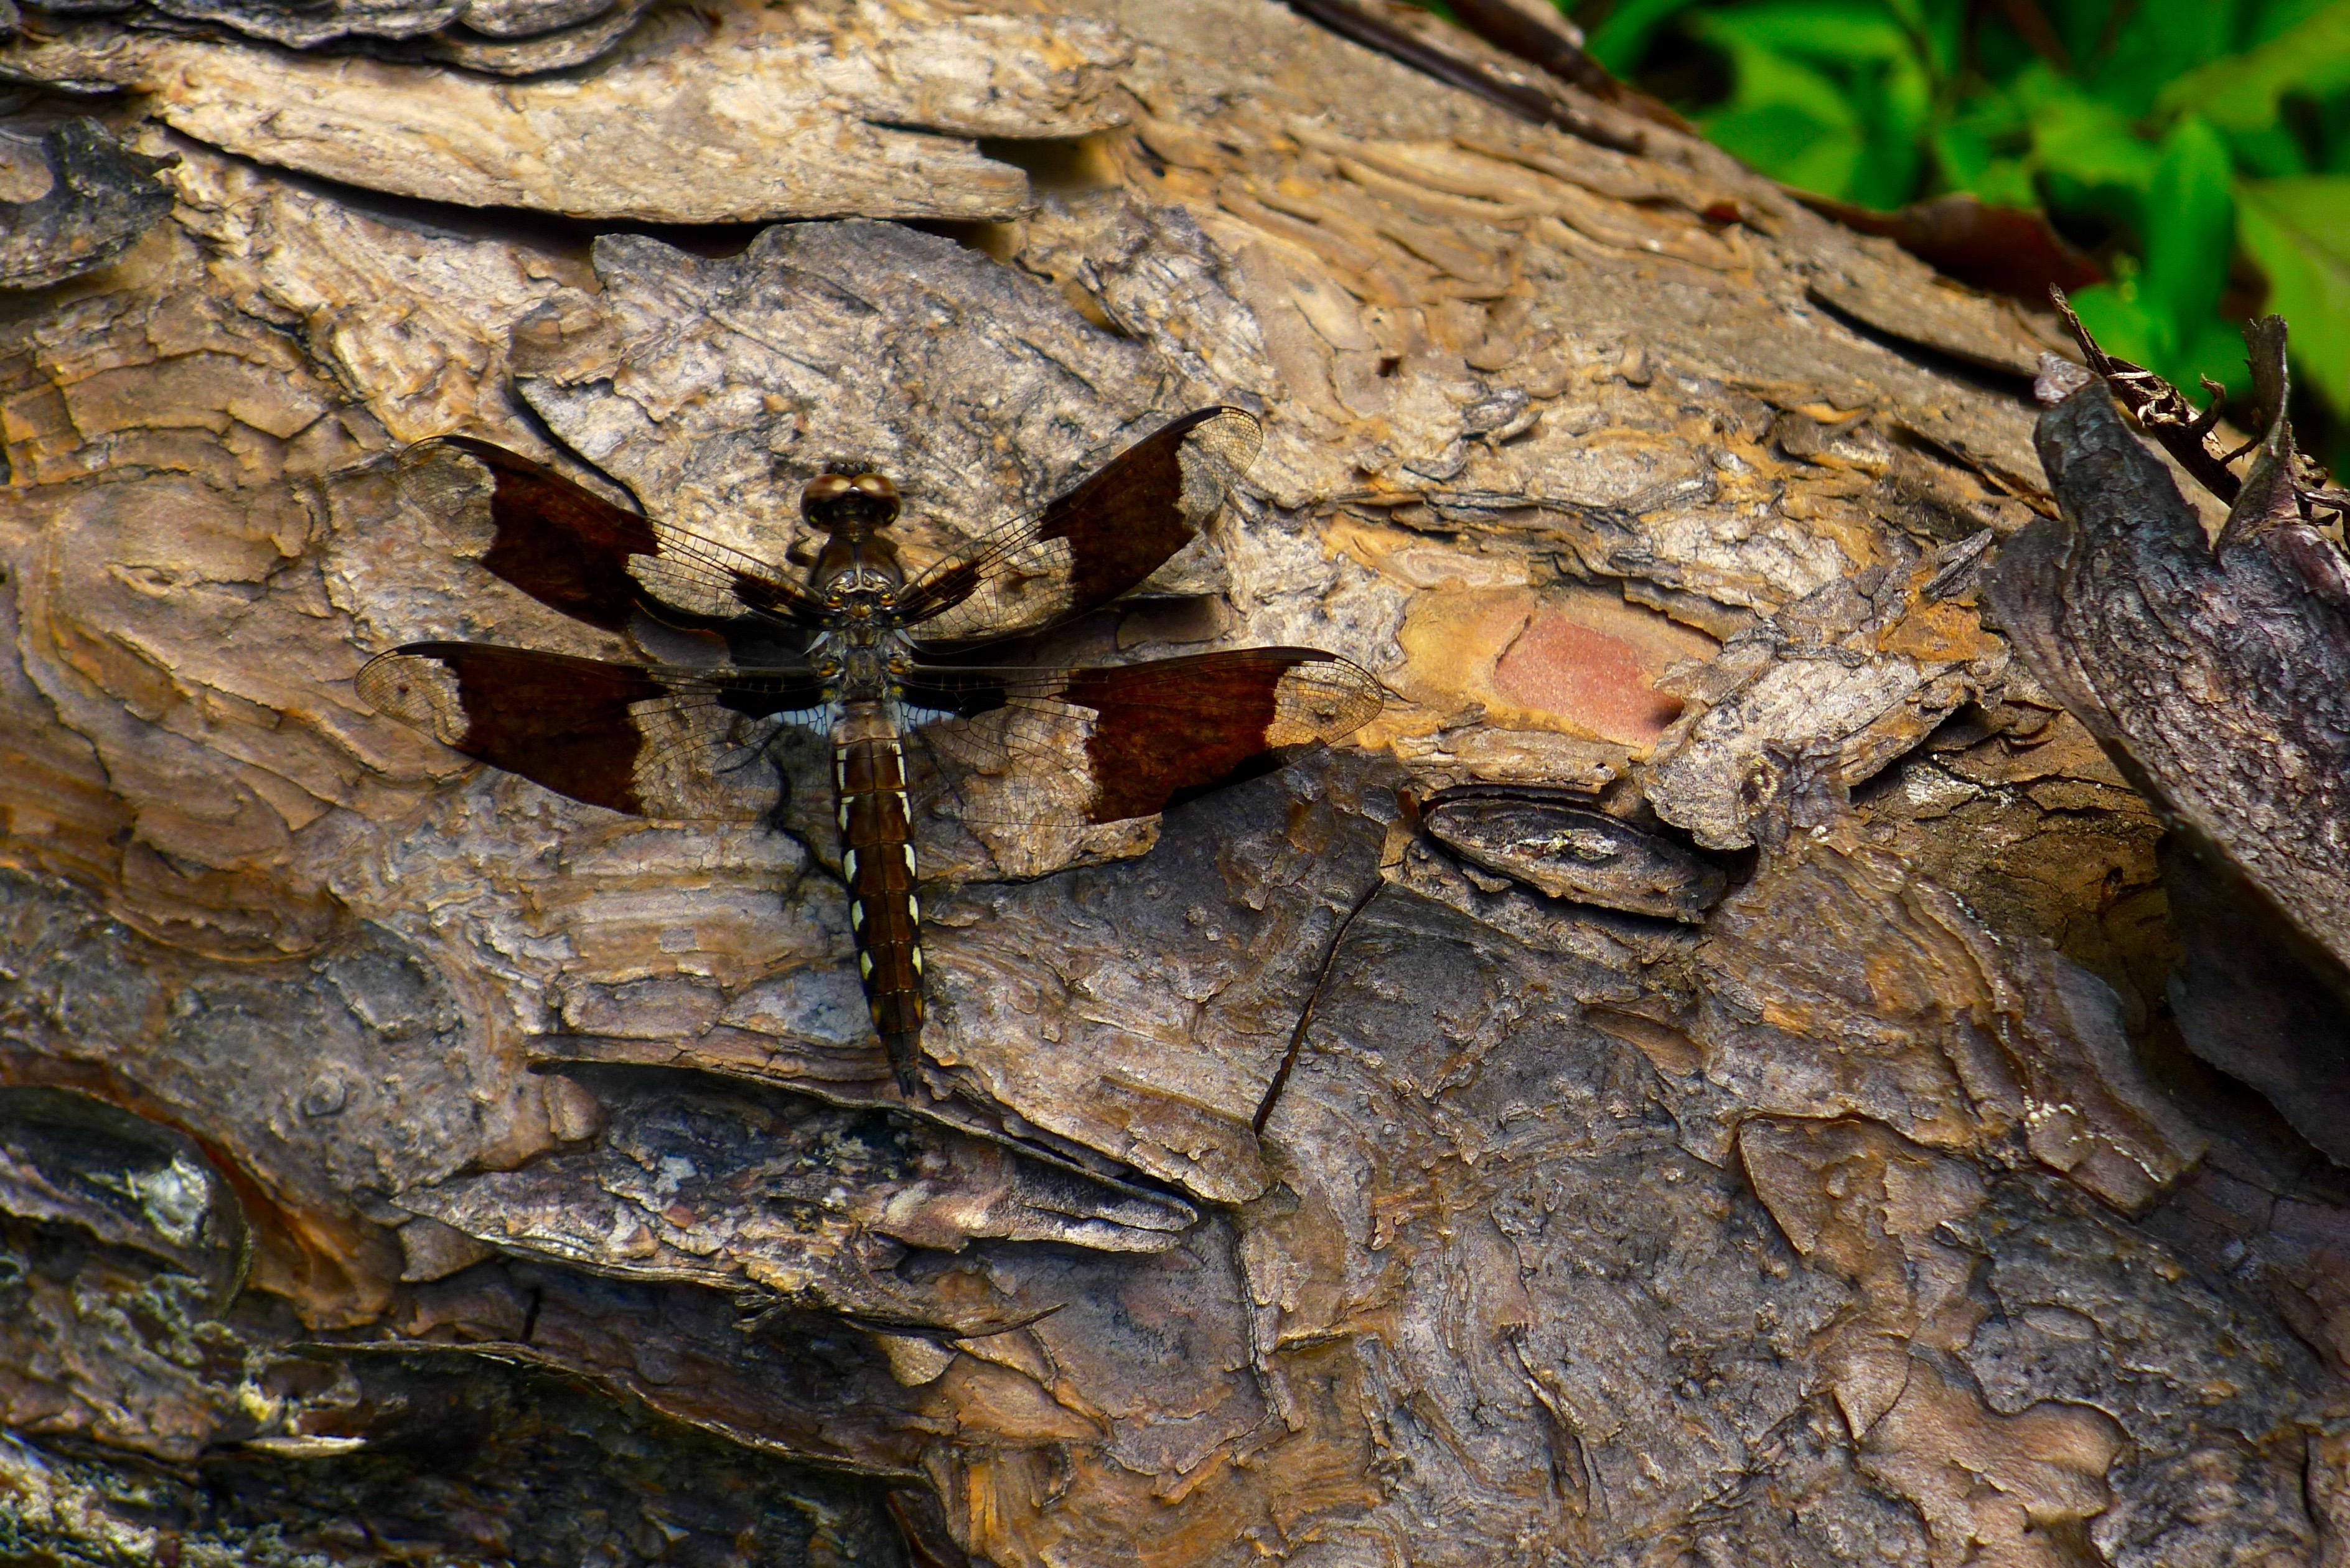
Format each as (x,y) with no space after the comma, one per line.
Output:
(416,688)
(1321,701)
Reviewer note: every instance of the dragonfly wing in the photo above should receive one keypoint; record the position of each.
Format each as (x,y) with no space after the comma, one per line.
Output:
(673,742)
(1091,544)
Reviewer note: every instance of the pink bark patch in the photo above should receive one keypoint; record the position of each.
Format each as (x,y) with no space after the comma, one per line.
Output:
(1559,666)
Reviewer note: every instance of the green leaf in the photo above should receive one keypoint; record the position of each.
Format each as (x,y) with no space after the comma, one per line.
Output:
(1832,31)
(1787,144)
(2157,44)
(2121,323)
(2190,228)
(1895,106)
(1826,93)
(2241,92)
(1963,156)
(2269,151)
(2008,182)
(2269,18)
(1766,78)
(1998,182)
(1995,113)
(2084,138)
(2299,233)
(2215,348)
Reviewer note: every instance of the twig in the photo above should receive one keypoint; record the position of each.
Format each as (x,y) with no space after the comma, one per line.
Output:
(2159,407)
(2291,481)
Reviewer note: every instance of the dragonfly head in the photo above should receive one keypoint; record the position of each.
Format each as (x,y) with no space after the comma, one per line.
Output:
(846,499)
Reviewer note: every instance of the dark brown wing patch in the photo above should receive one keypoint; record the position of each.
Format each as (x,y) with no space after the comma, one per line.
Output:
(648,740)
(1166,731)
(565,546)
(569,548)
(1071,747)
(1092,544)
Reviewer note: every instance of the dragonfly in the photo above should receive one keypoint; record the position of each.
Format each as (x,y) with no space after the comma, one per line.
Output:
(857,656)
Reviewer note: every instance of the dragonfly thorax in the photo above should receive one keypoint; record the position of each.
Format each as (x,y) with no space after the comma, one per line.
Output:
(862,662)
(858,575)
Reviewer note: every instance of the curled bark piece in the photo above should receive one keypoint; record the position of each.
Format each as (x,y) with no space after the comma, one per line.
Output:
(517,1457)
(101,198)
(1929,313)
(2157,406)
(68,1159)
(733,114)
(1540,33)
(740,1188)
(2218,678)
(2007,250)
(486,40)
(505,38)
(793,1383)
(1576,852)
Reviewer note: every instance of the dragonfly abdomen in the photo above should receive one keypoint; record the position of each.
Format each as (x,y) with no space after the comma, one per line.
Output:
(877,864)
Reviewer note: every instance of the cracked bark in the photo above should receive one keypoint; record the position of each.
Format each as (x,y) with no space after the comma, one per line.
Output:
(1737,1113)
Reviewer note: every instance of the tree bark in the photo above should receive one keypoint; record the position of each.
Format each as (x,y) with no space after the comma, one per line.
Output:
(401,1162)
